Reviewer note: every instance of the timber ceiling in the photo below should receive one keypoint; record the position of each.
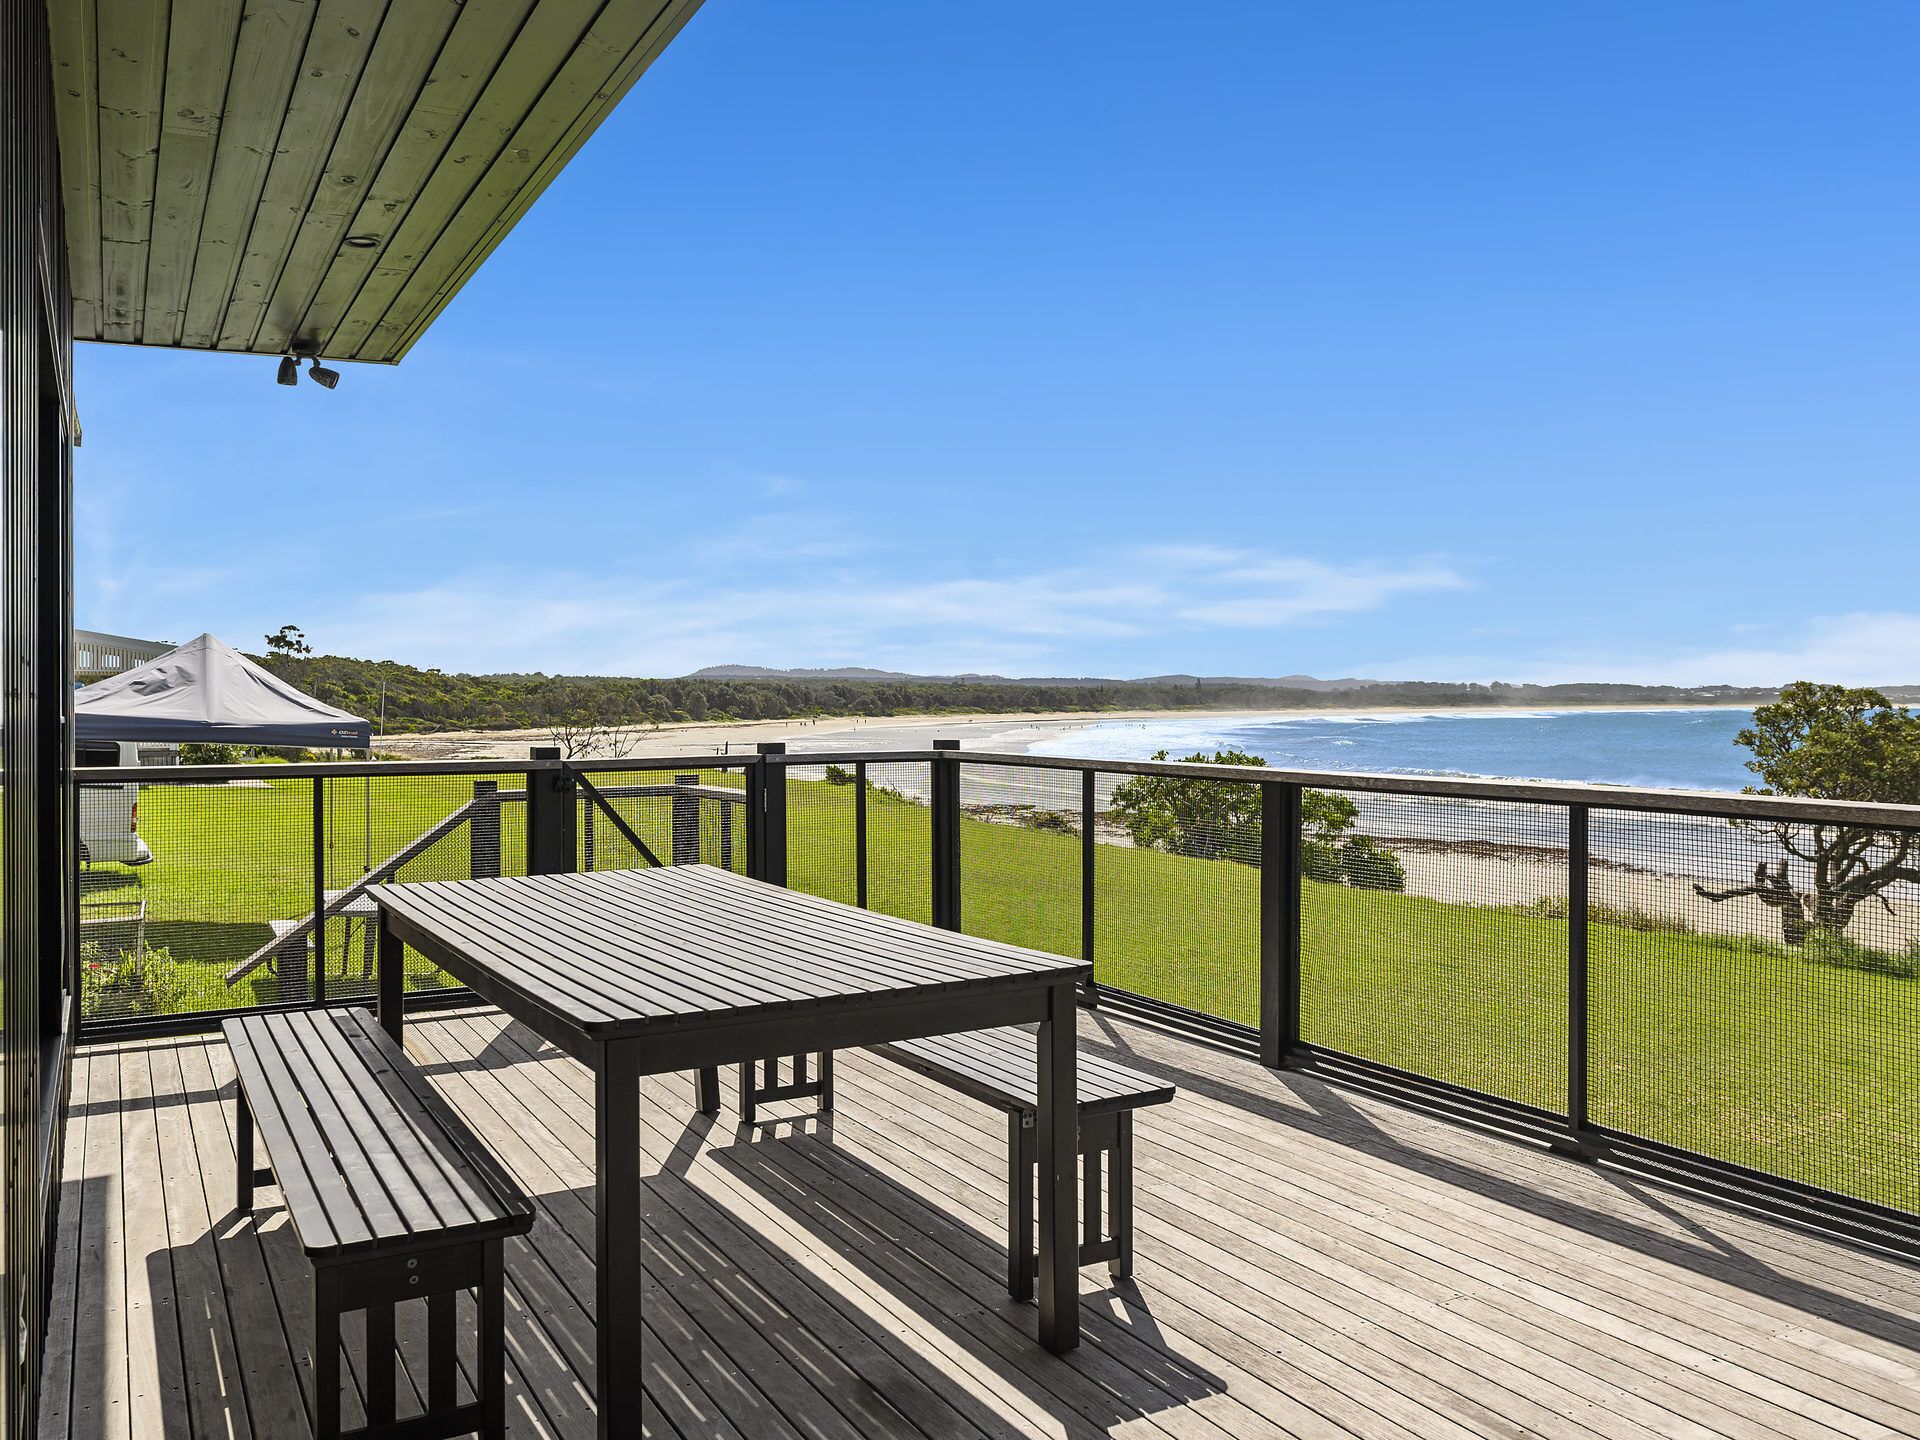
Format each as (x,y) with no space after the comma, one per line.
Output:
(247,174)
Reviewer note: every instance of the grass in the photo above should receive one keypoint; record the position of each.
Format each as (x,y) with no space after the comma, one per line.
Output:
(1801,1065)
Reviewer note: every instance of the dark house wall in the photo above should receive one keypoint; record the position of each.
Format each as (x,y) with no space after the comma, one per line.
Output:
(36,900)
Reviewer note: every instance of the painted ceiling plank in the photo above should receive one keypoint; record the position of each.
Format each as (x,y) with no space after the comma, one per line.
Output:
(200,44)
(480,37)
(273,35)
(395,73)
(132,49)
(72,37)
(499,219)
(337,49)
(536,55)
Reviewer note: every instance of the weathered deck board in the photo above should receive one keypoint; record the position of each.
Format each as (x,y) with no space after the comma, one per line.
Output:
(1312,1263)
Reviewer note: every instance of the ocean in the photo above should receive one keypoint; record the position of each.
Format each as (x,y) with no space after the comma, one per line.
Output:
(1667,748)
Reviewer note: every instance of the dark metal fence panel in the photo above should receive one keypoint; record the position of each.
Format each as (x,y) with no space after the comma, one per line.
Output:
(1738,1015)
(899,815)
(695,814)
(1434,939)
(184,913)
(1020,856)
(404,829)
(1177,892)
(822,820)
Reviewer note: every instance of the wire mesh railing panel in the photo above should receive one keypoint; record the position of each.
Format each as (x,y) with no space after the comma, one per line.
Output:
(823,816)
(685,816)
(1434,938)
(400,829)
(1020,856)
(899,839)
(1177,892)
(190,896)
(1755,996)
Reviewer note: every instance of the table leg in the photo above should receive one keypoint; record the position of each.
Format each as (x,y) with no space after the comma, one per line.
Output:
(1059,1171)
(393,978)
(618,1268)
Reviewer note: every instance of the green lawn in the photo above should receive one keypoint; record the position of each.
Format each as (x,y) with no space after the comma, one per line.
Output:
(1722,1046)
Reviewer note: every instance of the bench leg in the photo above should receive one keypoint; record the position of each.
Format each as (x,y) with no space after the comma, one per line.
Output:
(493,1345)
(708,1087)
(1120,1198)
(243,1152)
(440,1351)
(809,1082)
(326,1353)
(748,1107)
(1021,1159)
(380,1364)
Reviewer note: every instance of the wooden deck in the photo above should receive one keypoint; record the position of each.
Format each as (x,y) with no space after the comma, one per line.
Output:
(1312,1263)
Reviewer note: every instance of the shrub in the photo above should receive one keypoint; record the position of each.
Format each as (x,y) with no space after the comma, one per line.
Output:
(196,752)
(839,775)
(1368,865)
(142,982)
(1320,860)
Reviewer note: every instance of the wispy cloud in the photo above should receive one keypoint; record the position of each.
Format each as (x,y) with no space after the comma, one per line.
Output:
(830,607)
(1857,648)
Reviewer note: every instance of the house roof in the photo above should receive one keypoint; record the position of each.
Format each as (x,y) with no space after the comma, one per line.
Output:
(247,176)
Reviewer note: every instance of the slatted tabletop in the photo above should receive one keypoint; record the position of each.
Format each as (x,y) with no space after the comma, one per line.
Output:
(367,1154)
(619,953)
(997,1066)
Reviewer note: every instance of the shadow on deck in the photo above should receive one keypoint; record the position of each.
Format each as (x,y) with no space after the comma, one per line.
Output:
(1312,1263)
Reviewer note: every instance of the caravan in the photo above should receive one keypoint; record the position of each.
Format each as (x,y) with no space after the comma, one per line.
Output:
(109,812)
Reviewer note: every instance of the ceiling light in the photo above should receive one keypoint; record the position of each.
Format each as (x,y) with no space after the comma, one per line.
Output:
(289,370)
(363,242)
(318,372)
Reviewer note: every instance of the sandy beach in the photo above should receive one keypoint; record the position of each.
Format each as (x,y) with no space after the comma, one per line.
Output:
(1010,732)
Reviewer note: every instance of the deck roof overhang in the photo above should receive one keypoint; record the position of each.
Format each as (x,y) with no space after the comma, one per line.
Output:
(320,174)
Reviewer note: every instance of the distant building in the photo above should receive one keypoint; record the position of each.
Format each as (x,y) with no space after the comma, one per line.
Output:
(97,655)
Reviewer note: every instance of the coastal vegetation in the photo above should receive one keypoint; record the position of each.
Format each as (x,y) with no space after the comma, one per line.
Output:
(1829,742)
(413,700)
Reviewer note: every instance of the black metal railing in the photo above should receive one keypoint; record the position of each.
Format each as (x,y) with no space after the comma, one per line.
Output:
(1618,974)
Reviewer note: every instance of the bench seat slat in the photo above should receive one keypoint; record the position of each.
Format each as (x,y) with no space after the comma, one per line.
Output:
(368,1156)
(998,1066)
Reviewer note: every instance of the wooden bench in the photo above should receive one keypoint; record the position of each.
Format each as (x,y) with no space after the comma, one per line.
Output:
(392,1198)
(997,1067)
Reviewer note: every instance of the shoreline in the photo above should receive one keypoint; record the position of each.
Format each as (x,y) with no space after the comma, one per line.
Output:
(912,732)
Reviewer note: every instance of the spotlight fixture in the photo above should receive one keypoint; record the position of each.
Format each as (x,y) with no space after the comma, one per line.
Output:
(321,374)
(289,370)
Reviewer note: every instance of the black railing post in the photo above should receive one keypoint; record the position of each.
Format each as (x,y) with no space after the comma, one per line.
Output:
(1578,847)
(483,831)
(552,817)
(946,837)
(860,833)
(1280,901)
(1089,813)
(770,844)
(685,834)
(319,977)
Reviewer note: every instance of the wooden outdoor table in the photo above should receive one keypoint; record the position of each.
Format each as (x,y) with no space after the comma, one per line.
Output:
(636,972)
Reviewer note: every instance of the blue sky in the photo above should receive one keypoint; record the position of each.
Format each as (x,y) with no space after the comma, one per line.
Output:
(1475,341)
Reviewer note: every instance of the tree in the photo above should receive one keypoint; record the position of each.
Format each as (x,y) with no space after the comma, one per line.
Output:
(579,718)
(1220,820)
(1829,742)
(290,640)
